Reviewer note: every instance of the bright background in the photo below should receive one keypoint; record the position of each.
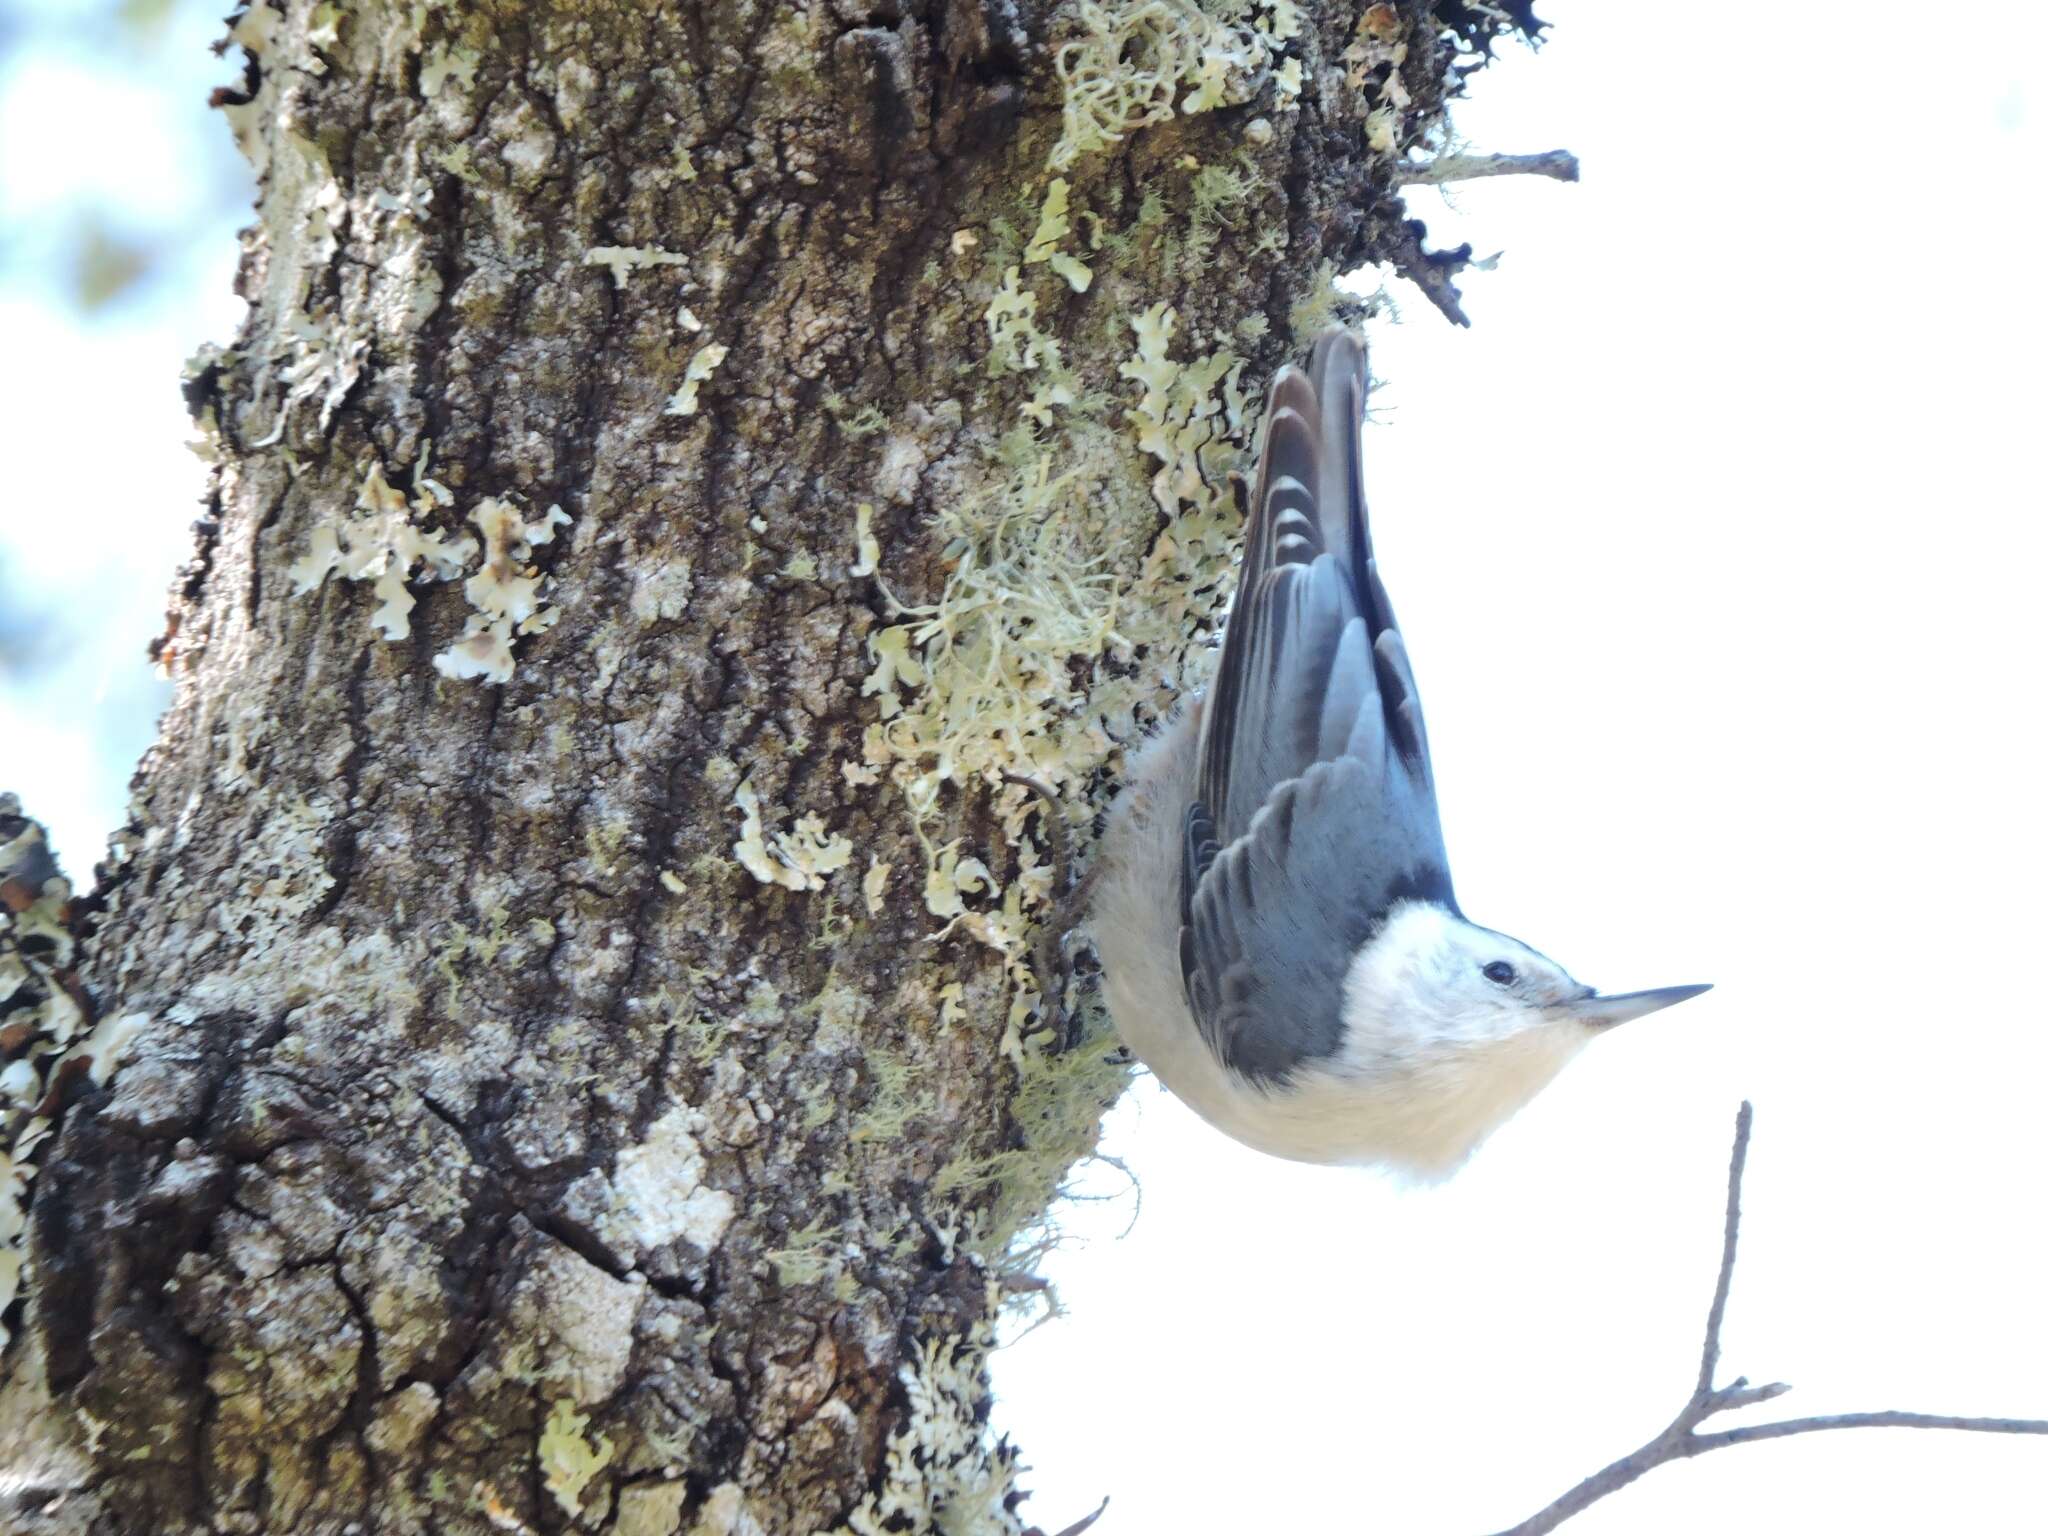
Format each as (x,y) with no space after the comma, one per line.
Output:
(1717,542)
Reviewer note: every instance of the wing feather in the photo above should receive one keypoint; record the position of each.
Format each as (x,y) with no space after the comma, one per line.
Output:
(1316,809)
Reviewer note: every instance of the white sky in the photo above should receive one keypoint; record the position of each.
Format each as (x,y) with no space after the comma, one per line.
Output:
(1716,541)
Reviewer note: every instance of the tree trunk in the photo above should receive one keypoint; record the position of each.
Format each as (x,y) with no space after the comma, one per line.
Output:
(567,966)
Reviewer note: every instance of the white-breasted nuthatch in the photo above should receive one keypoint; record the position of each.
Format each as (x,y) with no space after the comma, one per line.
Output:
(1271,903)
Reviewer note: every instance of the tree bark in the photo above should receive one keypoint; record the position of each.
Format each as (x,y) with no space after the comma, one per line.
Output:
(577,1065)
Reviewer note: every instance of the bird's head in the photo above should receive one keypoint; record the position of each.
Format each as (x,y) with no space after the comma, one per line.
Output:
(1449,1028)
(1427,978)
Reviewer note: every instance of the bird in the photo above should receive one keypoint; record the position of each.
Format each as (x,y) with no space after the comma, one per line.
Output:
(1271,904)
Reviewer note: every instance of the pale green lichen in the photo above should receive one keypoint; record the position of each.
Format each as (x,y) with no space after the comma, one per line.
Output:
(1057,1110)
(874,885)
(700,1035)
(1015,344)
(1137,62)
(809,1255)
(1059,567)
(382,543)
(568,1461)
(280,874)
(949,878)
(799,861)
(461,943)
(1057,560)
(1190,415)
(623,260)
(703,363)
(1319,304)
(505,592)
(892,1100)
(385,542)
(942,1475)
(867,549)
(443,62)
(1053,226)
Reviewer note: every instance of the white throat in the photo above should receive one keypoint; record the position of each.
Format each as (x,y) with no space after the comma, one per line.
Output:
(1443,1063)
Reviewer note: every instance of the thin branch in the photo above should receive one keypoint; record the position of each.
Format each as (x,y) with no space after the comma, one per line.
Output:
(1680,1438)
(1079,1525)
(1731,1229)
(1557,164)
(1888,1419)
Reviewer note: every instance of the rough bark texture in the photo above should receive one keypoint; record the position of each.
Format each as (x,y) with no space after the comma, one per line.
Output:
(582,1069)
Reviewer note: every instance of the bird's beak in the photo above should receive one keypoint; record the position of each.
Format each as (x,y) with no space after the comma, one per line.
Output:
(1606,1012)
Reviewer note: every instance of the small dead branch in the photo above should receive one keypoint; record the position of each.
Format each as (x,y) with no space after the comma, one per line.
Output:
(1433,271)
(1681,1439)
(1079,1525)
(1557,164)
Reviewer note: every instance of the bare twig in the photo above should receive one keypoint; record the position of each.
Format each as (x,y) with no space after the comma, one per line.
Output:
(1680,1438)
(1558,164)
(1079,1525)
(1433,271)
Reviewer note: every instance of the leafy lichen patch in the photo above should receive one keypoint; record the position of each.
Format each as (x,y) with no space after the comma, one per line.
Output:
(801,860)
(624,260)
(505,592)
(703,363)
(942,1475)
(1098,531)
(570,1459)
(1053,226)
(1137,62)
(387,541)
(383,544)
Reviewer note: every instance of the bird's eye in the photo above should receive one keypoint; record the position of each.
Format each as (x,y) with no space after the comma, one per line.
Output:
(1498,971)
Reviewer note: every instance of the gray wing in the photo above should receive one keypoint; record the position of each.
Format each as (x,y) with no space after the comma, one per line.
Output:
(1315,808)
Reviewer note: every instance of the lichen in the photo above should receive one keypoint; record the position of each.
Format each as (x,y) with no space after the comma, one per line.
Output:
(382,543)
(280,875)
(1057,1113)
(1067,558)
(1189,416)
(809,1255)
(874,885)
(624,260)
(950,877)
(799,861)
(867,549)
(505,592)
(659,1189)
(1015,344)
(388,542)
(893,1101)
(568,1461)
(1053,227)
(942,1475)
(703,363)
(1055,561)
(50,1040)
(1138,62)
